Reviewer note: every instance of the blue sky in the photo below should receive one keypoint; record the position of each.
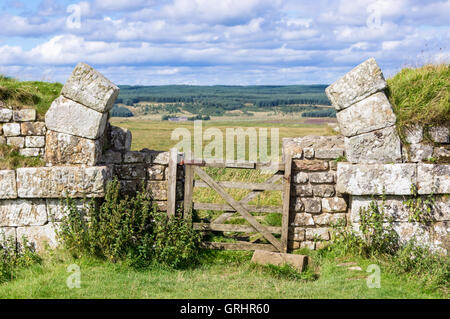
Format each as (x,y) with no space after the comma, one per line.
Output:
(206,42)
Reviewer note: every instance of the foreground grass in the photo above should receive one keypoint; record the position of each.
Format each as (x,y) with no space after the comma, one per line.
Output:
(221,275)
(421,95)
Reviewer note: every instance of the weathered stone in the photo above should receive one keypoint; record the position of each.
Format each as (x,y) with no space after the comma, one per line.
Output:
(120,138)
(433,179)
(17,141)
(112,157)
(89,87)
(291,148)
(23,212)
(382,146)
(33,128)
(371,179)
(328,219)
(61,181)
(439,134)
(317,233)
(131,186)
(157,189)
(441,153)
(333,205)
(156,172)
(34,141)
(161,158)
(8,233)
(332,153)
(320,178)
(8,184)
(408,230)
(312,205)
(303,219)
(310,165)
(67,116)
(133,157)
(31,152)
(323,190)
(356,85)
(262,257)
(24,115)
(441,236)
(299,234)
(303,190)
(301,178)
(370,114)
(419,152)
(413,134)
(308,245)
(62,148)
(39,236)
(308,152)
(395,207)
(333,165)
(11,129)
(2,140)
(57,208)
(130,171)
(5,115)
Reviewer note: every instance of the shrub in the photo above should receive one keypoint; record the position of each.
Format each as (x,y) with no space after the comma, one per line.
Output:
(13,257)
(130,229)
(120,111)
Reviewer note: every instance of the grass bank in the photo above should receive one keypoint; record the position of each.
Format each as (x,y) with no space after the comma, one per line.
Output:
(28,94)
(11,159)
(421,95)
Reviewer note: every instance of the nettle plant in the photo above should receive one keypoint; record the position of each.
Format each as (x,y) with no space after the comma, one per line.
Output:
(420,207)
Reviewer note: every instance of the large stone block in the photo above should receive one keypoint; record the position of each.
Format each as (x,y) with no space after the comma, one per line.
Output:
(57,208)
(34,141)
(310,165)
(439,134)
(419,152)
(62,148)
(31,151)
(130,171)
(382,146)
(370,114)
(263,257)
(23,212)
(8,184)
(39,236)
(90,88)
(372,179)
(356,85)
(433,178)
(67,116)
(328,219)
(317,234)
(395,207)
(60,181)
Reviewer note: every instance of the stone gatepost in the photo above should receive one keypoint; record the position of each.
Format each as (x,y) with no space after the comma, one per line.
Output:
(76,120)
(365,116)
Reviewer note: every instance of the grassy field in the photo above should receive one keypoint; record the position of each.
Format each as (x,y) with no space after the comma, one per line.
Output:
(155,134)
(233,272)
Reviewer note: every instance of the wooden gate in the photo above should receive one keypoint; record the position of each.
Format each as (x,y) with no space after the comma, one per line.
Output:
(283,171)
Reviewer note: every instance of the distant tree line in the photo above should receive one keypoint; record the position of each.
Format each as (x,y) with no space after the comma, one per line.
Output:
(324,112)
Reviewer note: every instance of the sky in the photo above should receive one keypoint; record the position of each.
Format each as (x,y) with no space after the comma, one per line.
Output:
(209,42)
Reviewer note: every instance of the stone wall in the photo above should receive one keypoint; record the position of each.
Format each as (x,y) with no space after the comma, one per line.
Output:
(22,129)
(315,202)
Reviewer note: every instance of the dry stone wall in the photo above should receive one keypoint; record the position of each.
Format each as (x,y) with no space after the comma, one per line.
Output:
(22,129)
(82,153)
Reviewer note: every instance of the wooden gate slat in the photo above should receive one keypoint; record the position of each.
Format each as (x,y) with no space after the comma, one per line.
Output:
(188,191)
(238,207)
(286,204)
(233,228)
(228,208)
(243,185)
(239,246)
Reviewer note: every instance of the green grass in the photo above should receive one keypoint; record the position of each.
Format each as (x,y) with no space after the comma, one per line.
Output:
(421,95)
(28,94)
(233,272)
(11,159)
